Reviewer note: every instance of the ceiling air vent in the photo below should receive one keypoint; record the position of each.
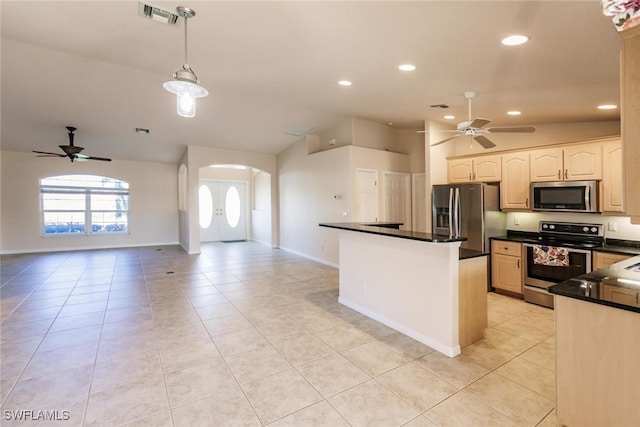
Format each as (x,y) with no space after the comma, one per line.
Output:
(157,14)
(298,130)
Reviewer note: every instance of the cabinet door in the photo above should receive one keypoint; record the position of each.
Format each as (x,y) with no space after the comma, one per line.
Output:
(630,98)
(546,165)
(514,186)
(487,169)
(460,170)
(507,272)
(605,259)
(583,162)
(612,200)
(624,296)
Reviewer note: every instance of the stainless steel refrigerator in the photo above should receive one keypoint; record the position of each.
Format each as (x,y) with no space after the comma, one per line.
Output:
(468,210)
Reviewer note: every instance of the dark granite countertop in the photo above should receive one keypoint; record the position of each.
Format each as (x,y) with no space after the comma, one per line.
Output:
(384,230)
(370,228)
(596,286)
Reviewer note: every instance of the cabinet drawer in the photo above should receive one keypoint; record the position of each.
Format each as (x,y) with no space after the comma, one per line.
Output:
(506,248)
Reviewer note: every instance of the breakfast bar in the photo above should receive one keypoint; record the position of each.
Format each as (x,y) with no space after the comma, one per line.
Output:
(422,285)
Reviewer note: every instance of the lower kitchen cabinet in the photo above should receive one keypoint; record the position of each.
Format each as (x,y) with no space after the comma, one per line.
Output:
(506,266)
(605,259)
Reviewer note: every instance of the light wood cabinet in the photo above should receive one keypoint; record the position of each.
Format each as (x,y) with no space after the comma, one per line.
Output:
(620,295)
(612,189)
(477,169)
(506,266)
(597,367)
(630,106)
(571,163)
(605,259)
(514,186)
(546,165)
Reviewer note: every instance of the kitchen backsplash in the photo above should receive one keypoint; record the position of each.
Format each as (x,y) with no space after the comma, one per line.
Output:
(615,227)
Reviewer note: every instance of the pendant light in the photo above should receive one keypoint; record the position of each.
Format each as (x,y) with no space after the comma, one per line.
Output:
(185,83)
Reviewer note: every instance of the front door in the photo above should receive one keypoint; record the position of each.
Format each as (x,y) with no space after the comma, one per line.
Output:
(223,210)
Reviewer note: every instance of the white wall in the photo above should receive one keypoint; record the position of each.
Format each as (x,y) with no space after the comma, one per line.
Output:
(153,203)
(374,135)
(306,186)
(261,207)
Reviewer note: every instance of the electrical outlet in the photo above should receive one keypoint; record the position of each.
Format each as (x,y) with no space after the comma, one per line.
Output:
(516,220)
(612,226)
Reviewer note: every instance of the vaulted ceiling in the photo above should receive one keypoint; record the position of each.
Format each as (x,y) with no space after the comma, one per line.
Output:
(269,65)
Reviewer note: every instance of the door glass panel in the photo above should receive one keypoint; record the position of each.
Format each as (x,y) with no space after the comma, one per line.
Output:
(206,206)
(232,207)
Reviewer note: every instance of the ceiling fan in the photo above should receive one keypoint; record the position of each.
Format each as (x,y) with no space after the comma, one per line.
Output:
(71,151)
(474,128)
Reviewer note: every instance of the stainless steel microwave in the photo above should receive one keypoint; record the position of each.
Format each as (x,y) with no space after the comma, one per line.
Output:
(565,196)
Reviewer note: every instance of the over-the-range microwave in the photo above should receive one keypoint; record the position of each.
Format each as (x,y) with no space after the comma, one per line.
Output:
(565,196)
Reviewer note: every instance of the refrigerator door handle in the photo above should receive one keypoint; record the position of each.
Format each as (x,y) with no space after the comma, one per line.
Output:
(450,211)
(456,213)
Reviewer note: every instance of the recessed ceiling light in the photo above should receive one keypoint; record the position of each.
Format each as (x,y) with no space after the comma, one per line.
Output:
(449,117)
(607,107)
(515,40)
(514,113)
(407,67)
(344,83)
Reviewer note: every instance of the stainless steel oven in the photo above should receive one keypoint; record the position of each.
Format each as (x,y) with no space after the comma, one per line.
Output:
(561,251)
(538,277)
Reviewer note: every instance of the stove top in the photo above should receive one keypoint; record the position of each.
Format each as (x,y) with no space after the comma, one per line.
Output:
(570,234)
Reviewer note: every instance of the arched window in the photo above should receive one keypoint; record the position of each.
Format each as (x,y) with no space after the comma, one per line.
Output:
(84,204)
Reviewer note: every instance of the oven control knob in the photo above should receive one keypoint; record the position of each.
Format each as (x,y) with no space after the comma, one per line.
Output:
(545,226)
(594,229)
(585,229)
(552,226)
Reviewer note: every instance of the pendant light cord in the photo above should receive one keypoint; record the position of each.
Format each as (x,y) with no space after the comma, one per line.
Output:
(186,19)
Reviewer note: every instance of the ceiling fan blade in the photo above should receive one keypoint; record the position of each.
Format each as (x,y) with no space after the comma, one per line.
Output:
(478,123)
(49,154)
(522,129)
(444,140)
(484,141)
(103,159)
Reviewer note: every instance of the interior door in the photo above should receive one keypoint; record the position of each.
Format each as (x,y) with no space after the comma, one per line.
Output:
(420,211)
(223,210)
(397,198)
(366,195)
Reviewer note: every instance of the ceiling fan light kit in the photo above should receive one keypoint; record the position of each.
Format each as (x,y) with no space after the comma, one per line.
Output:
(185,84)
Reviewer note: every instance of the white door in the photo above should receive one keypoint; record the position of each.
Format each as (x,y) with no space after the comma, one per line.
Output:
(223,211)
(421,209)
(397,198)
(366,195)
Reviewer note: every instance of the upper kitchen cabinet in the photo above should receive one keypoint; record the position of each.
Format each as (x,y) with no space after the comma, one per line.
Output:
(571,163)
(630,111)
(514,187)
(612,189)
(476,169)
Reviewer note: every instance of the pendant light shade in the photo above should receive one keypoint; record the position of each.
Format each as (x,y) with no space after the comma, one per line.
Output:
(185,84)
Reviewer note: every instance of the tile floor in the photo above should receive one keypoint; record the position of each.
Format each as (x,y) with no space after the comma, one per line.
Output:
(245,335)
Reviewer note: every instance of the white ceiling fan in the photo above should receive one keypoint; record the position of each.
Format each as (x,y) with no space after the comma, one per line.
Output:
(474,128)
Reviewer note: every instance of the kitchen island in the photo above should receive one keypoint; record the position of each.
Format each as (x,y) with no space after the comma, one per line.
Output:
(598,347)
(419,284)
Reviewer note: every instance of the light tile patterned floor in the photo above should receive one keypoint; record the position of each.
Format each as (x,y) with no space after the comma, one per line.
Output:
(245,335)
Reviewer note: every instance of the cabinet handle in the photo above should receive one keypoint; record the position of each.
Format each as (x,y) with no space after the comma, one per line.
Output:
(518,263)
(470,176)
(474,176)
(526,202)
(559,174)
(566,173)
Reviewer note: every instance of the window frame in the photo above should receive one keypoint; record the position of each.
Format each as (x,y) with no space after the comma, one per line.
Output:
(86,191)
